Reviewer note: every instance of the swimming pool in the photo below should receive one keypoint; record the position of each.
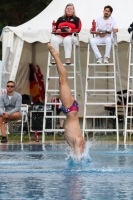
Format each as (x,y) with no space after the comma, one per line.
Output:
(43,172)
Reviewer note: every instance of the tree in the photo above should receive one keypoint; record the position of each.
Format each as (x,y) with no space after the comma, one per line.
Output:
(16,12)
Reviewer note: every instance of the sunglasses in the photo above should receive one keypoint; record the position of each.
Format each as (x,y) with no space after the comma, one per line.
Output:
(10,86)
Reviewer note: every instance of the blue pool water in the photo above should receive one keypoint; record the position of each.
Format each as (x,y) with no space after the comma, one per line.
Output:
(44,172)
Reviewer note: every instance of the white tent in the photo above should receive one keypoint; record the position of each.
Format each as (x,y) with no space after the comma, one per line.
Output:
(27,43)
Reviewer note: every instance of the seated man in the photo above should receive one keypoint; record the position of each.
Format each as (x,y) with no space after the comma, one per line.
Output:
(105,25)
(124,97)
(10,108)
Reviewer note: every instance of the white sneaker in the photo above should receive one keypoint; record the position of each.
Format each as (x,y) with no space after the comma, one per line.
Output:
(106,60)
(99,60)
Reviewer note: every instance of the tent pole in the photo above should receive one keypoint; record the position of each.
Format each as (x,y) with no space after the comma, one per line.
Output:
(16,60)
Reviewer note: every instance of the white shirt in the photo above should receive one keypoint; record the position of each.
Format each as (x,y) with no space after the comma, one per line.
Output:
(106,25)
(9,97)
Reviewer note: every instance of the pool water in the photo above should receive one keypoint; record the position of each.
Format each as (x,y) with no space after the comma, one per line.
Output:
(45,172)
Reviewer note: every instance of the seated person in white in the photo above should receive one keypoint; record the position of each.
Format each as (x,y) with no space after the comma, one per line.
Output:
(104,26)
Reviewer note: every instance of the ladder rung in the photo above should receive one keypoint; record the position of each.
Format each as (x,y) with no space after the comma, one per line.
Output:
(52,103)
(131,104)
(99,77)
(63,65)
(57,94)
(109,64)
(51,130)
(100,90)
(54,117)
(56,77)
(72,64)
(99,72)
(100,103)
(129,130)
(99,130)
(100,94)
(57,90)
(110,130)
(99,117)
(52,90)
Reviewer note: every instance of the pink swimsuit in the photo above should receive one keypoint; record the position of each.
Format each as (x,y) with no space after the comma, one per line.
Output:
(74,106)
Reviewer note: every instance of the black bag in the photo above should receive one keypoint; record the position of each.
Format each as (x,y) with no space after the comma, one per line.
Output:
(26,99)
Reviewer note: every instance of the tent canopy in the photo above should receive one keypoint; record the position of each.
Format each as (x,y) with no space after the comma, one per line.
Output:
(39,28)
(26,43)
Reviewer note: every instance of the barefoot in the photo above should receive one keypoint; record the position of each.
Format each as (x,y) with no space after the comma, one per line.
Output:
(52,50)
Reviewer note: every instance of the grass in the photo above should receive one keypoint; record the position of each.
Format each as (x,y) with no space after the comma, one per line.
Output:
(98,137)
(48,137)
(105,137)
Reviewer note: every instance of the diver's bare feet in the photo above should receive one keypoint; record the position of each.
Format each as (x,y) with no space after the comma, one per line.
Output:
(52,50)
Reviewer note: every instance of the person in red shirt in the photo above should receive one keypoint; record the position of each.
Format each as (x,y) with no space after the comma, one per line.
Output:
(66,25)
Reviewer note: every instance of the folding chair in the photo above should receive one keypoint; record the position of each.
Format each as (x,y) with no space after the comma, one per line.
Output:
(24,111)
(21,121)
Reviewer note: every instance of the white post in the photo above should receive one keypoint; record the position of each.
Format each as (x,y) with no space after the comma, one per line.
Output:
(0,75)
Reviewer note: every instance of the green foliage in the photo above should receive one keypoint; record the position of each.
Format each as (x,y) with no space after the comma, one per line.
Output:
(14,137)
(104,137)
(16,12)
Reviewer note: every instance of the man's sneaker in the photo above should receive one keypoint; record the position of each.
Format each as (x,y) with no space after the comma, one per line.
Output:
(99,60)
(4,139)
(61,133)
(105,60)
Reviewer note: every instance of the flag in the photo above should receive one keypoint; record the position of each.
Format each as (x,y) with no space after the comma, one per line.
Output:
(40,81)
(34,91)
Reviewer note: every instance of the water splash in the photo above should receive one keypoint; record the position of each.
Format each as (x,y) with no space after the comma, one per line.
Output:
(82,159)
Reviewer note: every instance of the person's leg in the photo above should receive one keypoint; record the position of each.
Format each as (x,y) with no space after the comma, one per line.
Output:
(61,127)
(65,92)
(123,99)
(62,123)
(94,42)
(67,42)
(79,145)
(108,43)
(15,116)
(3,126)
(56,40)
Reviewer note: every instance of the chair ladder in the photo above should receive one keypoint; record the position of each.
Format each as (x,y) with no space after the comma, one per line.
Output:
(129,107)
(51,88)
(96,95)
